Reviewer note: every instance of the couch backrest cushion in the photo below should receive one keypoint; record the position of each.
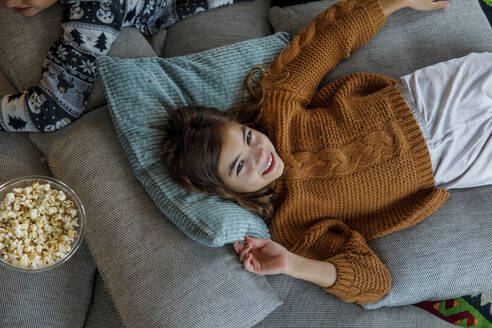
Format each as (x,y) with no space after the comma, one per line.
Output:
(156,275)
(218,27)
(445,255)
(140,92)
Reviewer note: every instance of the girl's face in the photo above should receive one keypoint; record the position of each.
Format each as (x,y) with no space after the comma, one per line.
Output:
(28,7)
(248,160)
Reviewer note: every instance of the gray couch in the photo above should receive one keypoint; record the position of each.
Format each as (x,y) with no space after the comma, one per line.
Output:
(135,268)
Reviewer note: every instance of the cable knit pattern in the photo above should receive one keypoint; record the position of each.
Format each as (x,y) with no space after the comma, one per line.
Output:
(356,163)
(373,148)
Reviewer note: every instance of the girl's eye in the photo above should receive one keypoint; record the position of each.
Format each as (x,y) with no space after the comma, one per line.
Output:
(248,138)
(240,166)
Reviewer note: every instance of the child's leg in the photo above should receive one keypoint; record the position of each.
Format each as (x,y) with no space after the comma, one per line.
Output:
(453,104)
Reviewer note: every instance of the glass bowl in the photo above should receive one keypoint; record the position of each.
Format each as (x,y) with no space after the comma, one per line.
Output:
(70,194)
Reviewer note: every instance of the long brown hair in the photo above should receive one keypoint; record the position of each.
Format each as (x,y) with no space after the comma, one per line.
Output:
(250,113)
(193,143)
(191,153)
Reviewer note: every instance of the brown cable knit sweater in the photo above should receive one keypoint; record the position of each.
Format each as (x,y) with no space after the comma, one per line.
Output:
(356,164)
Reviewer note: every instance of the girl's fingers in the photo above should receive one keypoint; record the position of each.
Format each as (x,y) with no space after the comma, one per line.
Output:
(238,247)
(253,262)
(255,241)
(244,252)
(440,4)
(250,240)
(247,263)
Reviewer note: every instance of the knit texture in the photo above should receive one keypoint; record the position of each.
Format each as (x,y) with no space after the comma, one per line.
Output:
(356,163)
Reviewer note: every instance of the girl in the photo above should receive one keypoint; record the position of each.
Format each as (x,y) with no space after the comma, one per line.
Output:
(347,163)
(88,28)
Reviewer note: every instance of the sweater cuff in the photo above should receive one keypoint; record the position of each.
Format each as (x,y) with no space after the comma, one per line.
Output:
(348,288)
(344,283)
(376,14)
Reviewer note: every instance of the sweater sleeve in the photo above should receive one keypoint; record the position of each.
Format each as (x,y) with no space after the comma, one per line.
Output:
(69,71)
(361,276)
(321,45)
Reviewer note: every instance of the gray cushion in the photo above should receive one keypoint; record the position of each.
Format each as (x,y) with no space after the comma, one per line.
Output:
(18,157)
(156,275)
(427,261)
(57,298)
(307,305)
(445,256)
(157,42)
(409,40)
(5,86)
(25,43)
(218,27)
(28,40)
(102,312)
(53,298)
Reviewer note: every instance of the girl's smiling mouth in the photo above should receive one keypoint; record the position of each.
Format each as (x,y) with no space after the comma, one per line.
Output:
(22,9)
(271,164)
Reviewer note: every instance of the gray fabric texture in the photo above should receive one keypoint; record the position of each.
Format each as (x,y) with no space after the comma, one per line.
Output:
(54,298)
(411,40)
(445,256)
(218,27)
(408,41)
(25,42)
(102,312)
(156,275)
(157,41)
(5,86)
(307,305)
(19,157)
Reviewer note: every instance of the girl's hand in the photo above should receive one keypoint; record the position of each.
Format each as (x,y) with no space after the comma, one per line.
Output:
(427,5)
(262,256)
(391,6)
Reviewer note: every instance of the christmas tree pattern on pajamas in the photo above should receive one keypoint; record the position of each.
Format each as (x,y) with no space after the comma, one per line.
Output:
(88,29)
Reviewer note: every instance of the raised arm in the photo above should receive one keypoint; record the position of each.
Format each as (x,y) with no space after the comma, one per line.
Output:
(330,38)
(321,45)
(390,6)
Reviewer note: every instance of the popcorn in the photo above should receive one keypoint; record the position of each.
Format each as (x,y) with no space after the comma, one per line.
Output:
(38,226)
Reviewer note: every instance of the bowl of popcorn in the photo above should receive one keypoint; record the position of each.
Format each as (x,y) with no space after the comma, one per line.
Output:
(42,223)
